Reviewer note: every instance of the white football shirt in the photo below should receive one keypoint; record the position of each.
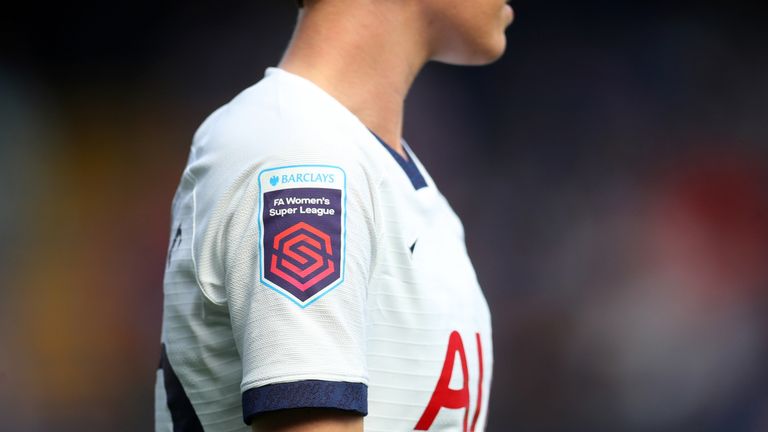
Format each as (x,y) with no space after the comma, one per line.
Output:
(310,265)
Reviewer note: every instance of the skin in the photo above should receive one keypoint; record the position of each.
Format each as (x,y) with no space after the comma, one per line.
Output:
(361,51)
(308,420)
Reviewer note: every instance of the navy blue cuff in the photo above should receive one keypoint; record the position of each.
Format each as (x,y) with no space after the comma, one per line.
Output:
(305,394)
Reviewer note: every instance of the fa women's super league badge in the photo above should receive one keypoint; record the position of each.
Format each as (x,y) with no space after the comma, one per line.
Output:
(302,230)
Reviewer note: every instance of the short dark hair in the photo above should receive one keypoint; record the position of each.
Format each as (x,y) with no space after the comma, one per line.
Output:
(300,2)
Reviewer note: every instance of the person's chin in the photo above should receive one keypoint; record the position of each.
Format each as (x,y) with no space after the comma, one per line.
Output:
(499,51)
(478,55)
(488,53)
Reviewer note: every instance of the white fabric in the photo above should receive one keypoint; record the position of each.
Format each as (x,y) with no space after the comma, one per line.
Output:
(387,324)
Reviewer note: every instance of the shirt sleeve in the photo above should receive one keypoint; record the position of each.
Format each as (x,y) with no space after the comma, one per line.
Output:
(295,244)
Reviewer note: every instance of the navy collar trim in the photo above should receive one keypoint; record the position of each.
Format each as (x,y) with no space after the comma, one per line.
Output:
(408,165)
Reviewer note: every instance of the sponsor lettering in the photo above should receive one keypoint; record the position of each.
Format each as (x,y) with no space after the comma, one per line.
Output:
(445,397)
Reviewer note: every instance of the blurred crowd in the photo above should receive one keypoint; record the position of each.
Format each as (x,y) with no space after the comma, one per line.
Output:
(611,173)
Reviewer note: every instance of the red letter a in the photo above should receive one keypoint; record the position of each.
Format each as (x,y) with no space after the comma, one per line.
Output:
(443,396)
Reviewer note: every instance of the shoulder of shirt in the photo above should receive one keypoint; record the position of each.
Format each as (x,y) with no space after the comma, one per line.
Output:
(281,116)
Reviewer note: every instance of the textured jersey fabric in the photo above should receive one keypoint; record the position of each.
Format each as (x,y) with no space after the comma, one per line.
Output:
(309,267)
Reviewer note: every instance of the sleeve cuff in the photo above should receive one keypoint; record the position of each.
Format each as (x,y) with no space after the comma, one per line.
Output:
(305,394)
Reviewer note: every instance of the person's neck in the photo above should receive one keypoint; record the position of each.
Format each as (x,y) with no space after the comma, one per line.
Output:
(366,58)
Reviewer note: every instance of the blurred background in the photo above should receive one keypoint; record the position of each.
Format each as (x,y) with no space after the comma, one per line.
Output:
(610,172)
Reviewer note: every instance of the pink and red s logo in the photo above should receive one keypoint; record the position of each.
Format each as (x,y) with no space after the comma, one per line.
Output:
(302,256)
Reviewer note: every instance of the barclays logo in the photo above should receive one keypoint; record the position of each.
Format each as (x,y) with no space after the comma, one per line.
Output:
(306,177)
(302,177)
